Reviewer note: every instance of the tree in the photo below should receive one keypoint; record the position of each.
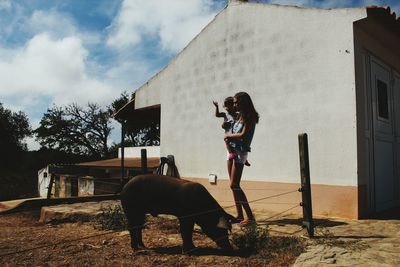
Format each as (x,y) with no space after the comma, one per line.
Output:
(14,128)
(118,103)
(145,133)
(77,130)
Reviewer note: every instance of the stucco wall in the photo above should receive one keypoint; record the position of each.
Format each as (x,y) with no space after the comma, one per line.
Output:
(298,66)
(136,152)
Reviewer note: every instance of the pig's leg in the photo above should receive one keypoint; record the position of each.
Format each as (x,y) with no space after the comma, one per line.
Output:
(135,218)
(135,230)
(186,227)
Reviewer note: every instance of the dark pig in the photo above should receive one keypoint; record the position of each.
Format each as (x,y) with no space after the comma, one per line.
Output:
(189,201)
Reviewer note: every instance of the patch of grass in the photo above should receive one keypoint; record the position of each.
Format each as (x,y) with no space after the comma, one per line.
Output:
(166,224)
(251,238)
(111,218)
(327,238)
(255,243)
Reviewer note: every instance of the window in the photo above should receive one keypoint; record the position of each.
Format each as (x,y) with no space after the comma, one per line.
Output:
(383,105)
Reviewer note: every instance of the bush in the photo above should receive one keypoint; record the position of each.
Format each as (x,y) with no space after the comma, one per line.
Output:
(111,218)
(252,238)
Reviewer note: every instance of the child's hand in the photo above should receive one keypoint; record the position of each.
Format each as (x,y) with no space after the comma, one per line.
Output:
(215,103)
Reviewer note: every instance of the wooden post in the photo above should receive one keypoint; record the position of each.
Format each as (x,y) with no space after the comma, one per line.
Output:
(122,153)
(305,185)
(143,157)
(52,178)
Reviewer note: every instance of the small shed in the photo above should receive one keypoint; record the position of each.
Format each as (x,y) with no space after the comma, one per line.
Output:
(95,177)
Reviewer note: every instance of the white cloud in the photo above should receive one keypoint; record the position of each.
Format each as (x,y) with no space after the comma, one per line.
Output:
(129,74)
(54,68)
(5,4)
(57,25)
(50,21)
(174,22)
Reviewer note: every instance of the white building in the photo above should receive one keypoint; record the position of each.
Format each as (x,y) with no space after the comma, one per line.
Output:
(333,74)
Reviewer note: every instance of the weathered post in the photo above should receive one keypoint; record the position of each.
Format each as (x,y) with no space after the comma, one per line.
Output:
(122,154)
(52,178)
(143,156)
(305,185)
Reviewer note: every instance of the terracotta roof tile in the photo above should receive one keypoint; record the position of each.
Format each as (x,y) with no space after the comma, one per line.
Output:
(116,162)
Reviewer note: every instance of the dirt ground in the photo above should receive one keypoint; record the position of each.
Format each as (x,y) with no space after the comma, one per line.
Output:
(26,242)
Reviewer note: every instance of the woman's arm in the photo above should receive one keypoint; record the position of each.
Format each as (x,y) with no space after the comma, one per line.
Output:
(241,135)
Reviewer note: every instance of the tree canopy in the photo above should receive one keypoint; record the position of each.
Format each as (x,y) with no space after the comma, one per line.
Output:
(14,128)
(75,129)
(145,133)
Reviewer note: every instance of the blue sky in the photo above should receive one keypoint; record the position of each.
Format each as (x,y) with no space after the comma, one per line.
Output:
(79,51)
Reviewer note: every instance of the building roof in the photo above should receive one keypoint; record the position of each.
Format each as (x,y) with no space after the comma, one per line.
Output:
(384,15)
(116,163)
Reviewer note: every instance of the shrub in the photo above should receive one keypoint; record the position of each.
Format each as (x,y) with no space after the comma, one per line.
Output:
(251,238)
(111,218)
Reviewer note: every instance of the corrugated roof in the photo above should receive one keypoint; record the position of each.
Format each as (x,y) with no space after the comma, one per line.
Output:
(116,162)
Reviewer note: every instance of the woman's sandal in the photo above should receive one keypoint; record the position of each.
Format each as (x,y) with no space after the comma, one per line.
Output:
(236,220)
(247,222)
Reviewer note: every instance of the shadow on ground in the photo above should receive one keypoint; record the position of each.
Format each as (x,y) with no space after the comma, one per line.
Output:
(299,222)
(199,251)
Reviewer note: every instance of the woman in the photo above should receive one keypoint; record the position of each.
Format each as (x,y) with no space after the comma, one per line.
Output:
(240,138)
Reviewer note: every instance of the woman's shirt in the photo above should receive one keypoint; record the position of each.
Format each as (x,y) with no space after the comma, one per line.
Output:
(242,144)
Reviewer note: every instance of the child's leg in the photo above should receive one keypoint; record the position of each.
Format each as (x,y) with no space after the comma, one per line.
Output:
(228,147)
(231,151)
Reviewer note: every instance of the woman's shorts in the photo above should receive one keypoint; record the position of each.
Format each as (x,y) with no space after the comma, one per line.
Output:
(241,157)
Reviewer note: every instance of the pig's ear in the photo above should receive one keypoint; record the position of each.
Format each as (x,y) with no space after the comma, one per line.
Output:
(223,223)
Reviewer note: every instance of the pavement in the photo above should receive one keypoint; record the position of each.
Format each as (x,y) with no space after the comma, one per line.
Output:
(337,242)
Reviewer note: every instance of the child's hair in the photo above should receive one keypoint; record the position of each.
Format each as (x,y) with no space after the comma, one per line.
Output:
(248,112)
(228,102)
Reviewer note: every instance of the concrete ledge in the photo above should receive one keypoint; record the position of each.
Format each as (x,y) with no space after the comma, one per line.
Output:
(35,203)
(83,211)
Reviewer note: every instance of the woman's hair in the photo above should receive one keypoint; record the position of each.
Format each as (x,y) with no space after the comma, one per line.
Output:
(247,110)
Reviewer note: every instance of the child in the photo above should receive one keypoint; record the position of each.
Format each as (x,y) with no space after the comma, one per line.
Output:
(230,117)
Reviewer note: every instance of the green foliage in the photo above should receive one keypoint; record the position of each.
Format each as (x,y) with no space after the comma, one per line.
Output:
(75,129)
(251,238)
(14,128)
(111,218)
(142,132)
(147,134)
(118,103)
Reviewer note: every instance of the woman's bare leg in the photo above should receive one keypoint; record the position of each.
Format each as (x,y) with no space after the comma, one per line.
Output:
(238,194)
(239,209)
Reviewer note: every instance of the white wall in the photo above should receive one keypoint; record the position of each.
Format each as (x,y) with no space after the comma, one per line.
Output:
(43,181)
(298,66)
(135,152)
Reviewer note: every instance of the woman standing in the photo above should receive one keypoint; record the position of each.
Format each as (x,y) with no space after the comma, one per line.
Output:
(240,138)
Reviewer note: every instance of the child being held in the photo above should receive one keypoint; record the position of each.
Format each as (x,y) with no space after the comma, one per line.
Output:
(229,119)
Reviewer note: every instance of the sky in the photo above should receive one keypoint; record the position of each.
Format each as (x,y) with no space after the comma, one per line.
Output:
(61,52)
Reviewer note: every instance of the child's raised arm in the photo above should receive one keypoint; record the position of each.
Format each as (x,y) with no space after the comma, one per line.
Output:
(217,113)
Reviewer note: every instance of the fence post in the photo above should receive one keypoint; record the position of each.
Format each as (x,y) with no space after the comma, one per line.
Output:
(305,185)
(122,153)
(50,186)
(143,154)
